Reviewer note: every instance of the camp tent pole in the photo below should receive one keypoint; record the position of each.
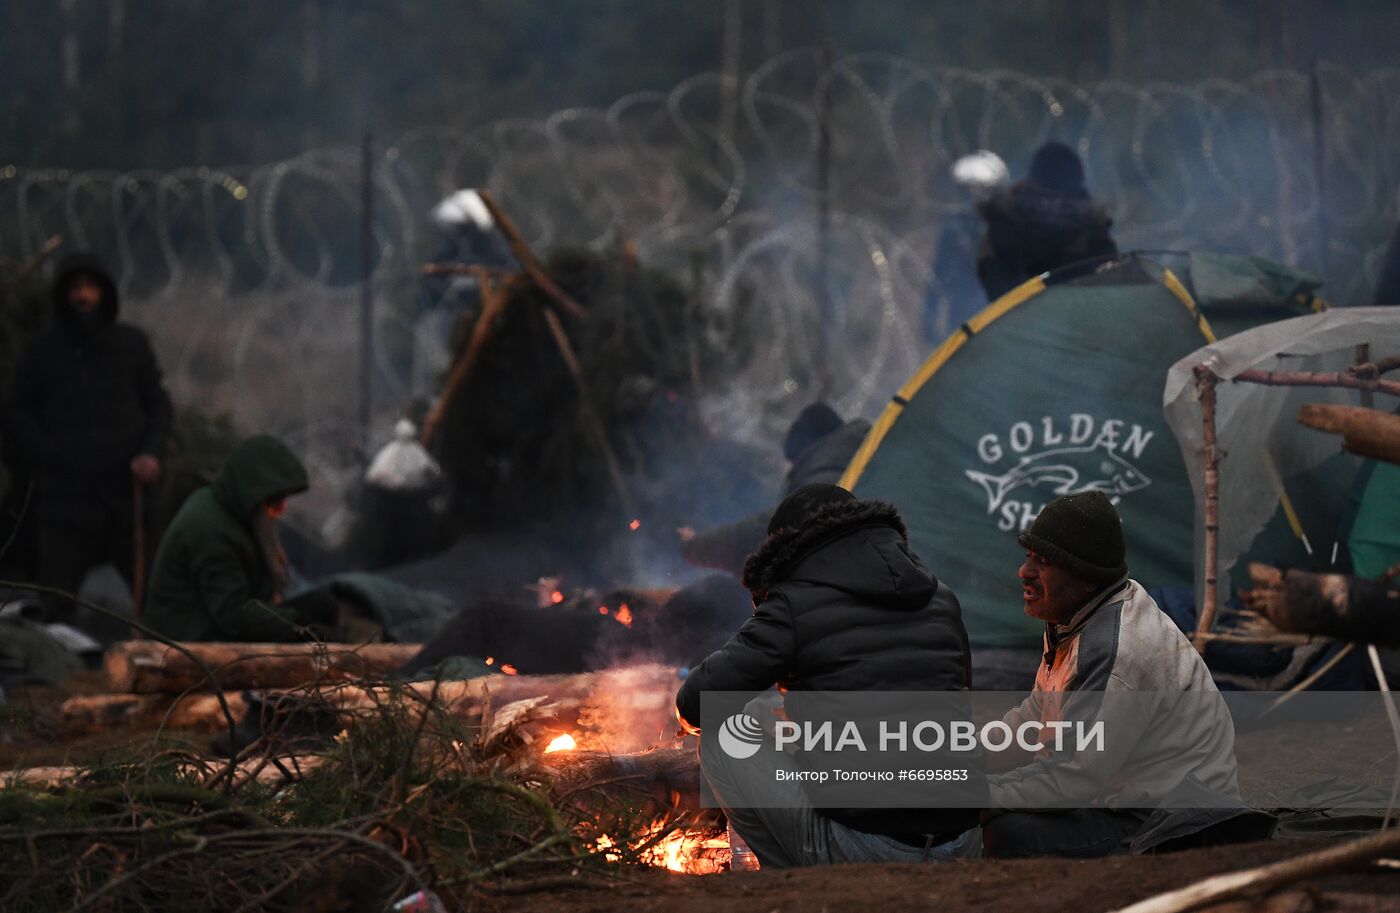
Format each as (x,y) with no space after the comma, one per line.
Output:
(1205,388)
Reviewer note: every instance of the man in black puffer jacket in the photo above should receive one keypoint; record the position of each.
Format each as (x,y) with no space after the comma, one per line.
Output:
(842,605)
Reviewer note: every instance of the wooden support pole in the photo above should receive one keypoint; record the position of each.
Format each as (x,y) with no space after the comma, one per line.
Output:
(1205,387)
(1353,379)
(591,417)
(528,261)
(493,304)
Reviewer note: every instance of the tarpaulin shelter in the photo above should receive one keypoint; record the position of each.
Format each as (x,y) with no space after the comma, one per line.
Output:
(1276,472)
(1056,388)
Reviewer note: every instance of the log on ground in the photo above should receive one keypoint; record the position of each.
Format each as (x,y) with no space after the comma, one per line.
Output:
(1365,432)
(150,667)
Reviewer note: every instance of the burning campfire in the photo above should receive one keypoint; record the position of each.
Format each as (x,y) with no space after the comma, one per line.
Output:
(667,845)
(671,842)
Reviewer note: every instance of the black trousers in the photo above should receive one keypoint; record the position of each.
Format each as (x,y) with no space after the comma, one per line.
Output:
(1081,833)
(68,550)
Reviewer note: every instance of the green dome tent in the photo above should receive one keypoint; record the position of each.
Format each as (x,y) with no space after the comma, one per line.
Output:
(1056,388)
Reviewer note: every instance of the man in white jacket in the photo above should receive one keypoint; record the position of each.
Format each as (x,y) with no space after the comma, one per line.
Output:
(1112,657)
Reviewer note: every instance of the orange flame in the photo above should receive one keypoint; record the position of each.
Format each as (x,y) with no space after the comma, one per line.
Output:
(635,525)
(556,597)
(624,616)
(563,742)
(602,610)
(490,660)
(508,669)
(691,851)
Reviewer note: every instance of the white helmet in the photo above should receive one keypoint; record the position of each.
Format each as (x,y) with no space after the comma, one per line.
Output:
(461,207)
(981,170)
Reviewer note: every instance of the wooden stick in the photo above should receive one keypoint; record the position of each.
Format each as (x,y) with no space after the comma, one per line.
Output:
(493,304)
(590,411)
(150,667)
(1205,387)
(1263,879)
(521,249)
(50,247)
(1280,639)
(1313,679)
(1348,379)
(466,269)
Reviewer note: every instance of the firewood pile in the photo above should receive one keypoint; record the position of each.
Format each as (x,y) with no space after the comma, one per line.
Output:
(462,788)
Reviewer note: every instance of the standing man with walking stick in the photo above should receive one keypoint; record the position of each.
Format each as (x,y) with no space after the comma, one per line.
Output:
(90,412)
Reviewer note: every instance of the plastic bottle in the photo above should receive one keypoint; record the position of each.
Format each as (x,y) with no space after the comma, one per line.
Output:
(741,858)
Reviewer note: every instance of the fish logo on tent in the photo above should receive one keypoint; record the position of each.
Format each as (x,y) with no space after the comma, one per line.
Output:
(1071,470)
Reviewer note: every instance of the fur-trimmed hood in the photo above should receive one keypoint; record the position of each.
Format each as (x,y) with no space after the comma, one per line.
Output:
(859,547)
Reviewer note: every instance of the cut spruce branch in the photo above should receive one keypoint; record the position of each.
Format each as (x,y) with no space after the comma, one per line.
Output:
(150,667)
(1260,881)
(1365,432)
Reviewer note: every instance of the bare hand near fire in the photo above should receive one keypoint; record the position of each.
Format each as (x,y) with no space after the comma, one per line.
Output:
(685,533)
(146,469)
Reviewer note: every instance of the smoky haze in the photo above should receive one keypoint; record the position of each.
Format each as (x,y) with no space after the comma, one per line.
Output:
(209,151)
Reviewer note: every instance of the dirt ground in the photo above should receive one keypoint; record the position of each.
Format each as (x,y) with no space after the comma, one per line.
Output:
(981,886)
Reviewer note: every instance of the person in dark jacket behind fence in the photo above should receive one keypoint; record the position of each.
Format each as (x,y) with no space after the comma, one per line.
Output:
(1041,223)
(220,573)
(842,605)
(819,446)
(88,411)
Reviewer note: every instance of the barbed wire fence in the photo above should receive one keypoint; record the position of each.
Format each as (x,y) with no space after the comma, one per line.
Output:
(247,277)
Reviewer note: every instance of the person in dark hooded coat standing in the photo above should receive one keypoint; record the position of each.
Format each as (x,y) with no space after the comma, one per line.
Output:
(92,417)
(1041,223)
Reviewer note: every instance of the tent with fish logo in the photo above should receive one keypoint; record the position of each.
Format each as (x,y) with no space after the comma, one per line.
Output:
(1053,389)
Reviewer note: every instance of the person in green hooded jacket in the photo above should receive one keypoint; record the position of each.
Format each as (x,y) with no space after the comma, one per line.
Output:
(220,573)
